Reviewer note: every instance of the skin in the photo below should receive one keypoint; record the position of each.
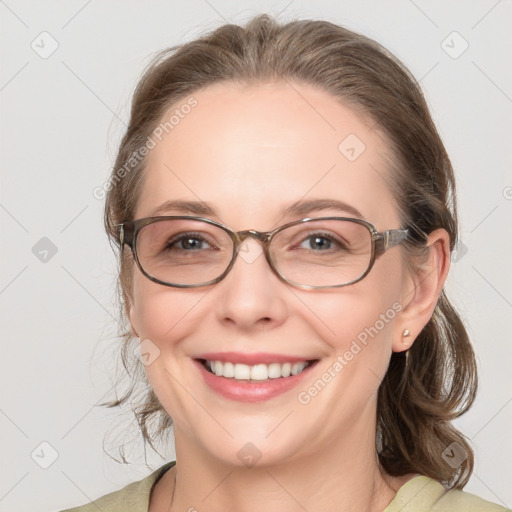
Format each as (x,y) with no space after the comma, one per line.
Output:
(250,152)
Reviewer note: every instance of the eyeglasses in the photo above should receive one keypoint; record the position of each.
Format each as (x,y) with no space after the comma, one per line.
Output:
(312,253)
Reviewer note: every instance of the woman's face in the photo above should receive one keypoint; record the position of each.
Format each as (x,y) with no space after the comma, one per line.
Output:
(251,153)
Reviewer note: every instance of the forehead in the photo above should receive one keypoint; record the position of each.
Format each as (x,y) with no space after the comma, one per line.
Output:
(251,151)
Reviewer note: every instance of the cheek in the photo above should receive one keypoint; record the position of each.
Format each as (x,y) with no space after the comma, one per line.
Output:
(349,313)
(166,316)
(359,325)
(162,313)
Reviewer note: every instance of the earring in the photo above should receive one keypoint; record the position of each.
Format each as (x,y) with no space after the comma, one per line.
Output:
(405,334)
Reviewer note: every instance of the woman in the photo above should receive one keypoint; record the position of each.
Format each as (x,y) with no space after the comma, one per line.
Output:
(285,212)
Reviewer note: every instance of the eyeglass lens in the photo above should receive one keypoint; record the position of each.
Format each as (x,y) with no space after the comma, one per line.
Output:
(312,253)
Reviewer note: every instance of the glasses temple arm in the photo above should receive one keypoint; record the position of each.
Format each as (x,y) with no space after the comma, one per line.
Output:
(123,236)
(390,238)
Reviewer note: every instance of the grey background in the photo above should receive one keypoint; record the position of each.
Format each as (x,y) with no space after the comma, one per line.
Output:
(62,117)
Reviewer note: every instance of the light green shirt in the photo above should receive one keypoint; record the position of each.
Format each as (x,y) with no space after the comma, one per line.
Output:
(420,494)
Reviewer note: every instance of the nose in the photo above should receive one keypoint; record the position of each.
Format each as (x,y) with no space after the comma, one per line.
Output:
(251,295)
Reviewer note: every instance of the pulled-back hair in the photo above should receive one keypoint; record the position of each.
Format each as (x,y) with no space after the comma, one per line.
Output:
(422,391)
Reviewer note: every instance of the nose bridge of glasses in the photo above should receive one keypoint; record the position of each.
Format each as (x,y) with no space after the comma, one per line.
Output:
(245,251)
(252,233)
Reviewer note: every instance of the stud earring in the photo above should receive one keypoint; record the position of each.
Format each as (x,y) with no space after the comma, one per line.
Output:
(405,334)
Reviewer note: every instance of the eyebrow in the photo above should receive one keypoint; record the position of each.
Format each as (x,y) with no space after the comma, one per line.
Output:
(304,207)
(300,208)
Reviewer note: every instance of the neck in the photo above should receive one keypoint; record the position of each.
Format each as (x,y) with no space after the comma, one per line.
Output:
(346,477)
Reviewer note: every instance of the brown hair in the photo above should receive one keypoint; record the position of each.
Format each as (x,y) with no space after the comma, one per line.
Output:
(436,382)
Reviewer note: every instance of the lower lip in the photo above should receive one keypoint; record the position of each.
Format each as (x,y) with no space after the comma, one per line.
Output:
(251,391)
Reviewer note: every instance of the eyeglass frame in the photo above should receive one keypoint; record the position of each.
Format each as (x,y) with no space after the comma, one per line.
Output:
(380,243)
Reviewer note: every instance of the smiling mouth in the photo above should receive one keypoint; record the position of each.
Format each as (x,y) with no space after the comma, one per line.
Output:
(258,372)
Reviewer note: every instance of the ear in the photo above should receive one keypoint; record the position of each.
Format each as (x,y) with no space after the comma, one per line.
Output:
(127,293)
(132,317)
(422,289)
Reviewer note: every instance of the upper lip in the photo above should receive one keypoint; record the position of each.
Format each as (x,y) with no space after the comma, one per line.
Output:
(251,359)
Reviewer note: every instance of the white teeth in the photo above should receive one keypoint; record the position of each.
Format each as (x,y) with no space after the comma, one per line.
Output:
(257,372)
(286,369)
(242,371)
(274,370)
(228,370)
(298,367)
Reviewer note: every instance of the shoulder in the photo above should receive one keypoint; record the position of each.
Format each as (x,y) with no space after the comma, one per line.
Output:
(133,497)
(423,494)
